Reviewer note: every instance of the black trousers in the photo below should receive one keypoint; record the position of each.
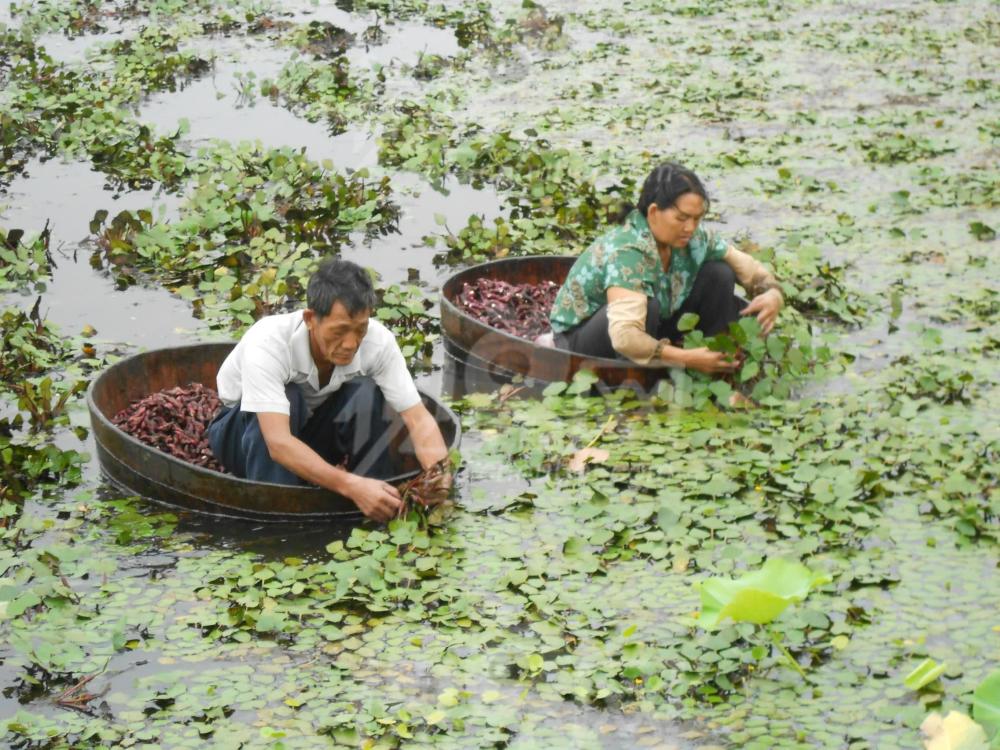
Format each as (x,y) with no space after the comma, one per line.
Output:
(352,425)
(712,298)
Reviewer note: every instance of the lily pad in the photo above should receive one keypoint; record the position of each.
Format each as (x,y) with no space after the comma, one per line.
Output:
(986,703)
(760,596)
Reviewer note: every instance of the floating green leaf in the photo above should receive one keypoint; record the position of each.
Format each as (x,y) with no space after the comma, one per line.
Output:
(986,703)
(924,674)
(758,597)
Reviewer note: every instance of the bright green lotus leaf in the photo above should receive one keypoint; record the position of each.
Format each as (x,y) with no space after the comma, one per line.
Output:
(986,703)
(925,673)
(758,597)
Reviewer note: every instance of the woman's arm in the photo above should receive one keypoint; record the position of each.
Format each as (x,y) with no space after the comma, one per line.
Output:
(627,329)
(627,325)
(760,283)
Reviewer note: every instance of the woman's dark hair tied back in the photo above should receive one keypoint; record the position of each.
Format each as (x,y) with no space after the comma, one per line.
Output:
(624,209)
(664,185)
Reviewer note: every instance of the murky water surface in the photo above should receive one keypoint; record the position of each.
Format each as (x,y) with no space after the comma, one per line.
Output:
(814,78)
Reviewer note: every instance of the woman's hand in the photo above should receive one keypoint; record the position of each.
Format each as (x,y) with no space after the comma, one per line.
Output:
(765,306)
(705,360)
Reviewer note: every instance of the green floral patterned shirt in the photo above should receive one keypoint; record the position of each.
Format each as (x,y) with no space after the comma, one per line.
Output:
(626,256)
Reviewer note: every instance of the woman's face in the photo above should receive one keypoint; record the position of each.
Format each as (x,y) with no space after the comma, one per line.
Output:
(674,225)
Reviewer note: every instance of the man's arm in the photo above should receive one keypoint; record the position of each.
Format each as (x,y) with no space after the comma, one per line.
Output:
(428,442)
(376,499)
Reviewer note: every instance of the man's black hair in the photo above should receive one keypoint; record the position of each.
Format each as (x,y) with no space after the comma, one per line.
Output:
(338,280)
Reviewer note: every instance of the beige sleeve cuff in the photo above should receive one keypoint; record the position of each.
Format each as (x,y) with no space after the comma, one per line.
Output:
(627,328)
(751,274)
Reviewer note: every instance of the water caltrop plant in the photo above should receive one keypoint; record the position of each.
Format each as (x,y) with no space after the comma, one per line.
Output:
(759,597)
(548,607)
(770,366)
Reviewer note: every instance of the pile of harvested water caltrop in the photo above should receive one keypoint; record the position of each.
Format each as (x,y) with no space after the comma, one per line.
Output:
(174,420)
(618,570)
(518,309)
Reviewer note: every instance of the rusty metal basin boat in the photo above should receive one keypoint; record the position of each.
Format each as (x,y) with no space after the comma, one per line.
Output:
(500,354)
(151,473)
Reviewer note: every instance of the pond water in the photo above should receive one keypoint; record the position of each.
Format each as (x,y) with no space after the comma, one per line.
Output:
(546,608)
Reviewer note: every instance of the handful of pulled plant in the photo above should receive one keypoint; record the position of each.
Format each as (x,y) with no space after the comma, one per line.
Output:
(430,487)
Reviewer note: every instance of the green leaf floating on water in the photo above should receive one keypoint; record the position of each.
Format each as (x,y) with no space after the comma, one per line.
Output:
(926,672)
(986,704)
(758,597)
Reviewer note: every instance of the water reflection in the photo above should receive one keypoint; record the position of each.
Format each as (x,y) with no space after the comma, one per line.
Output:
(67,194)
(421,205)
(219,106)
(399,43)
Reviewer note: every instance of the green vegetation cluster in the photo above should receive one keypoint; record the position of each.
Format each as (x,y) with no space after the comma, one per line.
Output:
(42,375)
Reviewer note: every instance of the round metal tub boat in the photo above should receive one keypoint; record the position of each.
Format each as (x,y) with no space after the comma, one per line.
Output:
(502,355)
(143,470)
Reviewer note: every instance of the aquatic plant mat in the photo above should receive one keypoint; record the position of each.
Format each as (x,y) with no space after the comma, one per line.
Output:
(651,570)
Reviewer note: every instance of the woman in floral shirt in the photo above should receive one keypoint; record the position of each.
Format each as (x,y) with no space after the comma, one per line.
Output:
(626,293)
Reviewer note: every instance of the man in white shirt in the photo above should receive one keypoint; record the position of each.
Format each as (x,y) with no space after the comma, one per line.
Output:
(303,393)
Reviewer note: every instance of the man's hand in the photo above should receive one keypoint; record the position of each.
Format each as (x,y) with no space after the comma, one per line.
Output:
(378,500)
(437,485)
(705,360)
(766,307)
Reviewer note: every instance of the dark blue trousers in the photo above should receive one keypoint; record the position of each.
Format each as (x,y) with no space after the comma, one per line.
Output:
(353,427)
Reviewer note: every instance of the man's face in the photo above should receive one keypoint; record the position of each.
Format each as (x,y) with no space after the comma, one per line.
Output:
(335,338)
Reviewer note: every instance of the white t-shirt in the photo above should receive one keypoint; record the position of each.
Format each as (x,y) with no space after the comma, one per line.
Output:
(275,352)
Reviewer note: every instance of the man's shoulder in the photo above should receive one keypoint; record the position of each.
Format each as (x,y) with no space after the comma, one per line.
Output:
(276,323)
(379,337)
(272,336)
(272,329)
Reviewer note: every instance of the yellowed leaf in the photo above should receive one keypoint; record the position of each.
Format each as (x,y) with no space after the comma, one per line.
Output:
(435,717)
(586,456)
(956,731)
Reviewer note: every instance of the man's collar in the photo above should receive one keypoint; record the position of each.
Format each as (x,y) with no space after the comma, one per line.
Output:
(302,360)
